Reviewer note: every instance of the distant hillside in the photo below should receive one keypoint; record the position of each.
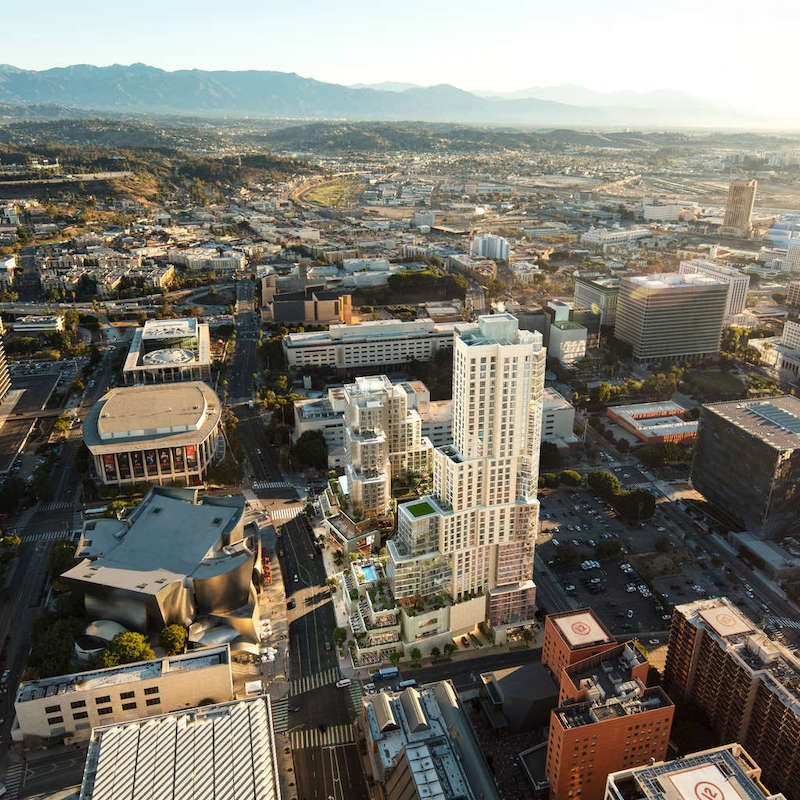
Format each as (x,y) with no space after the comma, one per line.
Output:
(12,113)
(369,136)
(143,89)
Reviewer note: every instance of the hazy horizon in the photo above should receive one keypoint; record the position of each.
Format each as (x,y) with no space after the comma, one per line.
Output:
(728,55)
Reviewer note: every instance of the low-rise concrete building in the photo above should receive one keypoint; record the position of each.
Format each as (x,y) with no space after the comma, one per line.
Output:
(169,350)
(421,746)
(375,344)
(39,323)
(71,705)
(558,418)
(655,422)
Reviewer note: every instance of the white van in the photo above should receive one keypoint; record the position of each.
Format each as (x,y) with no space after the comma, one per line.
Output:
(343,682)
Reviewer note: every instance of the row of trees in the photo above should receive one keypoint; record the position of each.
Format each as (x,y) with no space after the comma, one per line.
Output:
(634,504)
(568,477)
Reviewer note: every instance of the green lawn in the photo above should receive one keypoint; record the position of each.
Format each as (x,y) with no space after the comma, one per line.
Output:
(714,385)
(420,509)
(336,193)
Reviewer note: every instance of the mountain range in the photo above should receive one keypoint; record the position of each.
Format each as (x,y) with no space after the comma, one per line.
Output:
(138,88)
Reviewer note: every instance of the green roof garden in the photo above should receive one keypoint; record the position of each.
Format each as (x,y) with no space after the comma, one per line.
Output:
(420,509)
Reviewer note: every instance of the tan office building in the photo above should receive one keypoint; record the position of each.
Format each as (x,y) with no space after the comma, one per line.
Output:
(669,315)
(71,705)
(739,209)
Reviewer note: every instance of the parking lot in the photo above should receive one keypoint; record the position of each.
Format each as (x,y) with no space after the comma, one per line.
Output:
(579,522)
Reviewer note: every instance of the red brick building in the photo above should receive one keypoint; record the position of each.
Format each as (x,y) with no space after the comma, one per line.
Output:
(607,721)
(571,636)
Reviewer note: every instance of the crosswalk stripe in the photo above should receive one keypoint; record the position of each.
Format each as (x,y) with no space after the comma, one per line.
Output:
(356,694)
(335,734)
(272,485)
(54,506)
(309,682)
(285,513)
(13,781)
(280,714)
(46,536)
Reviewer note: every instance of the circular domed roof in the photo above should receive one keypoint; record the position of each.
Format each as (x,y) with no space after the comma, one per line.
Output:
(105,629)
(174,355)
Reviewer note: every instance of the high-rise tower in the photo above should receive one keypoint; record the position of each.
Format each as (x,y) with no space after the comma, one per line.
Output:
(739,209)
(472,539)
(5,378)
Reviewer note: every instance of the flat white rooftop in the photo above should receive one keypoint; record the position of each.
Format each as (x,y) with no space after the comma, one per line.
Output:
(143,410)
(169,328)
(725,621)
(667,280)
(581,628)
(224,751)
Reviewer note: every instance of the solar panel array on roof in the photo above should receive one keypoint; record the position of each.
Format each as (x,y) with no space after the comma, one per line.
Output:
(777,416)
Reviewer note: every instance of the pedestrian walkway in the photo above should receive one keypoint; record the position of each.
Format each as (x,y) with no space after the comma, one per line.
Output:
(55,506)
(309,682)
(280,714)
(332,735)
(13,781)
(356,693)
(47,536)
(272,485)
(285,513)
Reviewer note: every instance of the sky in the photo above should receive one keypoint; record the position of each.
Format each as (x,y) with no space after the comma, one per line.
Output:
(738,53)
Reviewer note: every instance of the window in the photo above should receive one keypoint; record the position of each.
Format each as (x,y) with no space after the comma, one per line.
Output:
(78,704)
(151,690)
(52,709)
(106,710)
(126,695)
(153,701)
(54,720)
(128,706)
(106,698)
(80,715)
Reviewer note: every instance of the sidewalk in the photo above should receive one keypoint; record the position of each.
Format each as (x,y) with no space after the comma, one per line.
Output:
(341,602)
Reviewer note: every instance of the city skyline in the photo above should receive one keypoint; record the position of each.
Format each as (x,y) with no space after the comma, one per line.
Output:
(521,46)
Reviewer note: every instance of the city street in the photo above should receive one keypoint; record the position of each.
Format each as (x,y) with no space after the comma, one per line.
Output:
(245,359)
(330,773)
(311,621)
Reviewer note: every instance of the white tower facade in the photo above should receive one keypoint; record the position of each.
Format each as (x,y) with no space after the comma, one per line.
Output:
(382,438)
(474,536)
